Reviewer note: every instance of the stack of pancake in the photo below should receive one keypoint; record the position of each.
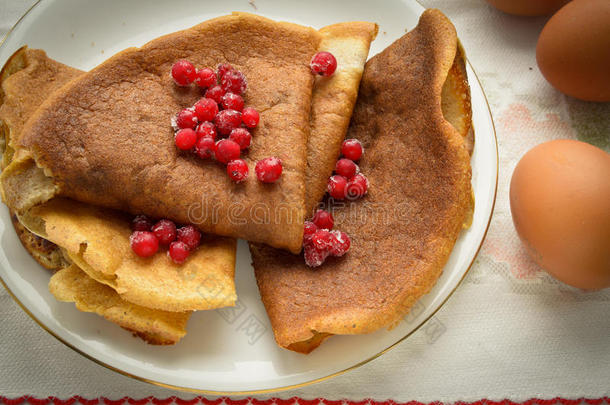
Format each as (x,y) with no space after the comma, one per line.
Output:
(85,151)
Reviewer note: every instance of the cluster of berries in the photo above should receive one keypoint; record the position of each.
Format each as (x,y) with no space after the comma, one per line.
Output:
(348,182)
(221,112)
(320,241)
(147,236)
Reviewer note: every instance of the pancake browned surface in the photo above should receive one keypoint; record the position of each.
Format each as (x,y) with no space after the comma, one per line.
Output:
(27,79)
(155,327)
(404,229)
(106,139)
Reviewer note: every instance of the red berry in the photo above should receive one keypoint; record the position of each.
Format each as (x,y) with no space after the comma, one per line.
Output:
(336,186)
(357,187)
(346,168)
(206,129)
(309,229)
(233,81)
(185,139)
(227,150)
(340,243)
(206,109)
(237,170)
(186,118)
(227,120)
(165,231)
(323,219)
(205,77)
(144,243)
(231,101)
(352,149)
(141,223)
(322,239)
(224,68)
(323,63)
(183,73)
(242,137)
(250,117)
(205,147)
(314,257)
(268,170)
(189,235)
(178,252)
(215,93)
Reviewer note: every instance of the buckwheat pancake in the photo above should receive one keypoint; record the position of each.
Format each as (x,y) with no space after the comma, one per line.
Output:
(333,102)
(105,138)
(404,229)
(155,327)
(98,239)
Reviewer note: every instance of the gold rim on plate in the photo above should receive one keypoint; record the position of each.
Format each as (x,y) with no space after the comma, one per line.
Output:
(287,387)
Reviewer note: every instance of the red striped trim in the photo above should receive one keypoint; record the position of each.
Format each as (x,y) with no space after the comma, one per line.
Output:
(77,400)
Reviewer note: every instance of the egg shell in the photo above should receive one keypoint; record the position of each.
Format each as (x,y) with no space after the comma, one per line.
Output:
(528,8)
(560,203)
(573,50)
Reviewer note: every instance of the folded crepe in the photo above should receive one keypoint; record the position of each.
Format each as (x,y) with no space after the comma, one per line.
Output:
(154,326)
(97,239)
(27,77)
(105,138)
(333,102)
(419,199)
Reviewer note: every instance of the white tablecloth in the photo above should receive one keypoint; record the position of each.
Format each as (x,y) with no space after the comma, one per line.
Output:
(509,331)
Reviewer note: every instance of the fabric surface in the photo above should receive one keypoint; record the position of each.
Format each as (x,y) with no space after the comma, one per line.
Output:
(509,331)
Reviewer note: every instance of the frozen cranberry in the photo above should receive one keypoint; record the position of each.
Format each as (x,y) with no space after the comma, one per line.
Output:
(178,252)
(231,101)
(183,73)
(352,149)
(323,63)
(309,229)
(227,120)
(215,93)
(205,77)
(242,137)
(165,231)
(237,170)
(346,168)
(205,147)
(250,117)
(141,223)
(206,129)
(314,257)
(186,118)
(339,244)
(206,109)
(185,139)
(268,170)
(323,219)
(144,243)
(189,235)
(336,186)
(322,239)
(223,68)
(233,81)
(357,187)
(227,150)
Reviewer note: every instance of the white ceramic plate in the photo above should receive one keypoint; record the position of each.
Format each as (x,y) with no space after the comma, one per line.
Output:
(229,350)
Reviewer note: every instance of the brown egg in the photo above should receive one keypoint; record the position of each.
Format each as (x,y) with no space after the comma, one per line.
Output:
(560,202)
(573,50)
(528,8)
